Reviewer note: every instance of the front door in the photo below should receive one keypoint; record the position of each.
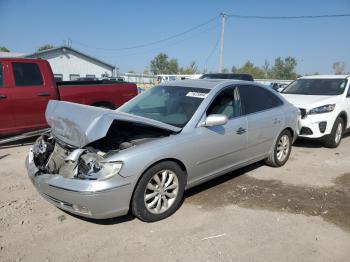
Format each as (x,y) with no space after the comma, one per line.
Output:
(32,95)
(6,102)
(220,148)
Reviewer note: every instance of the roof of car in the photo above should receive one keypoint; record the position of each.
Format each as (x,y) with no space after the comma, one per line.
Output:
(326,77)
(203,83)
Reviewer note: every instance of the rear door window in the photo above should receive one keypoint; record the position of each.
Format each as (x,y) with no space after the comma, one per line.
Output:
(255,99)
(27,74)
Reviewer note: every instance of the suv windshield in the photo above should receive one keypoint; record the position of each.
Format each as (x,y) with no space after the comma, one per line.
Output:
(168,104)
(318,87)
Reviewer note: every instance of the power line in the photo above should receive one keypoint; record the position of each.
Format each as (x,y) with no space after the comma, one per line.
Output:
(212,51)
(170,44)
(154,42)
(288,17)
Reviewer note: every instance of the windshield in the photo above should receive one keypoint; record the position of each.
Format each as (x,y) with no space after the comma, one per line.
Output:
(318,87)
(172,105)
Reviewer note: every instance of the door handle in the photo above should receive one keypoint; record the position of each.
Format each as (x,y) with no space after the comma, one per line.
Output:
(241,131)
(43,94)
(277,121)
(3,96)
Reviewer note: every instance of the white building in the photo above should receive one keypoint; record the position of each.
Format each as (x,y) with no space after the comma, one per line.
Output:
(70,64)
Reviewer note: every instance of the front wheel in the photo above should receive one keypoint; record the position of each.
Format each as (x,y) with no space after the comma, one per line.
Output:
(159,192)
(334,139)
(282,149)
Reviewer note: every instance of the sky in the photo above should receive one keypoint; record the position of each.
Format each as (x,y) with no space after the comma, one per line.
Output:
(100,28)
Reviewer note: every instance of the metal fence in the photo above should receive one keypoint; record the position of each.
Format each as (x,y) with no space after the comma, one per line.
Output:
(147,80)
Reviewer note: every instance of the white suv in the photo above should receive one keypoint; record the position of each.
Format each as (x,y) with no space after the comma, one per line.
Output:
(324,103)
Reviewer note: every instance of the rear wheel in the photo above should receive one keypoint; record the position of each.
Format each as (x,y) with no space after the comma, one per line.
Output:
(159,192)
(334,139)
(282,149)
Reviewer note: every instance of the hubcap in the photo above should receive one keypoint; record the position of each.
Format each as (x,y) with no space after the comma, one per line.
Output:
(338,133)
(283,148)
(161,191)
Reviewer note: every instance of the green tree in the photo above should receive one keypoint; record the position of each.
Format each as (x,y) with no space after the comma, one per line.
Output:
(161,65)
(266,68)
(173,67)
(339,68)
(249,68)
(131,72)
(284,69)
(4,49)
(45,47)
(191,69)
(146,71)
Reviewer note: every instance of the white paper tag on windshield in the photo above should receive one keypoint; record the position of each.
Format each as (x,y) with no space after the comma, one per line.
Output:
(197,94)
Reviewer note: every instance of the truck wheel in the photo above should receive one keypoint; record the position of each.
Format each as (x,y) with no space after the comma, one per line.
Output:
(159,192)
(334,139)
(281,152)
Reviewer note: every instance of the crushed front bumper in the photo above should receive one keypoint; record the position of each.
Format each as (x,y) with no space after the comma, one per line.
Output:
(87,198)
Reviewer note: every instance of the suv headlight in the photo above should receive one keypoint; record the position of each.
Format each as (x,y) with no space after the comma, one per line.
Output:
(322,109)
(92,166)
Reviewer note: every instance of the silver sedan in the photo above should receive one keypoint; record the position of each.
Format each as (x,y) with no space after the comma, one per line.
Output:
(101,163)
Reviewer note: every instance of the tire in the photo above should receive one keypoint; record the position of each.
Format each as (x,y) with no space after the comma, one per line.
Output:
(152,201)
(281,150)
(334,139)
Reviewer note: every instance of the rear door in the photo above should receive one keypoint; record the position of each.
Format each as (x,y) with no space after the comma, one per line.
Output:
(32,93)
(6,101)
(264,117)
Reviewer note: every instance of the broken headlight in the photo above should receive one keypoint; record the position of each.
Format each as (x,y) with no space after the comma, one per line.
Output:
(94,167)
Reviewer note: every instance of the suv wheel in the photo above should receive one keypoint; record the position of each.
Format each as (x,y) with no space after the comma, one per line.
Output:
(334,139)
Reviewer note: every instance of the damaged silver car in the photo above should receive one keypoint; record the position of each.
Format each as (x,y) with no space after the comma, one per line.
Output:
(101,163)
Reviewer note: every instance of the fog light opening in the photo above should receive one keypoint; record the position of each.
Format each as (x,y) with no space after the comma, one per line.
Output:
(81,209)
(322,126)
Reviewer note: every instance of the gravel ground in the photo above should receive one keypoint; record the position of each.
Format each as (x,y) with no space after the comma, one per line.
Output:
(300,212)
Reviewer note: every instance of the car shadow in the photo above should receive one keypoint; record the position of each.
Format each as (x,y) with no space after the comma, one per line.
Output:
(309,143)
(106,222)
(188,193)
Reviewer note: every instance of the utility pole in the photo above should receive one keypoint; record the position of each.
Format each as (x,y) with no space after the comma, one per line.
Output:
(221,58)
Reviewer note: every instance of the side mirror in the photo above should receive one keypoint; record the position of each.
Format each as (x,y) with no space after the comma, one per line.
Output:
(214,120)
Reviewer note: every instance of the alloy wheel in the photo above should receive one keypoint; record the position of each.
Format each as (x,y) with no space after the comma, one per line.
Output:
(161,191)
(283,148)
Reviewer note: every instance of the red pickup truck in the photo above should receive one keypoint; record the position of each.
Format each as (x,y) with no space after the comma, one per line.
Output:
(27,85)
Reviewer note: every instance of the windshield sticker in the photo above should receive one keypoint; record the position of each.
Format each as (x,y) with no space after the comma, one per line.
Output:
(197,94)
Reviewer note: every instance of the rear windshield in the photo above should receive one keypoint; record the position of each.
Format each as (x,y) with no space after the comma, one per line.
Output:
(317,87)
(168,104)
(245,77)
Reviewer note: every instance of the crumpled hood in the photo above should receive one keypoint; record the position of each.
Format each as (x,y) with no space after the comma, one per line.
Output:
(309,101)
(79,125)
